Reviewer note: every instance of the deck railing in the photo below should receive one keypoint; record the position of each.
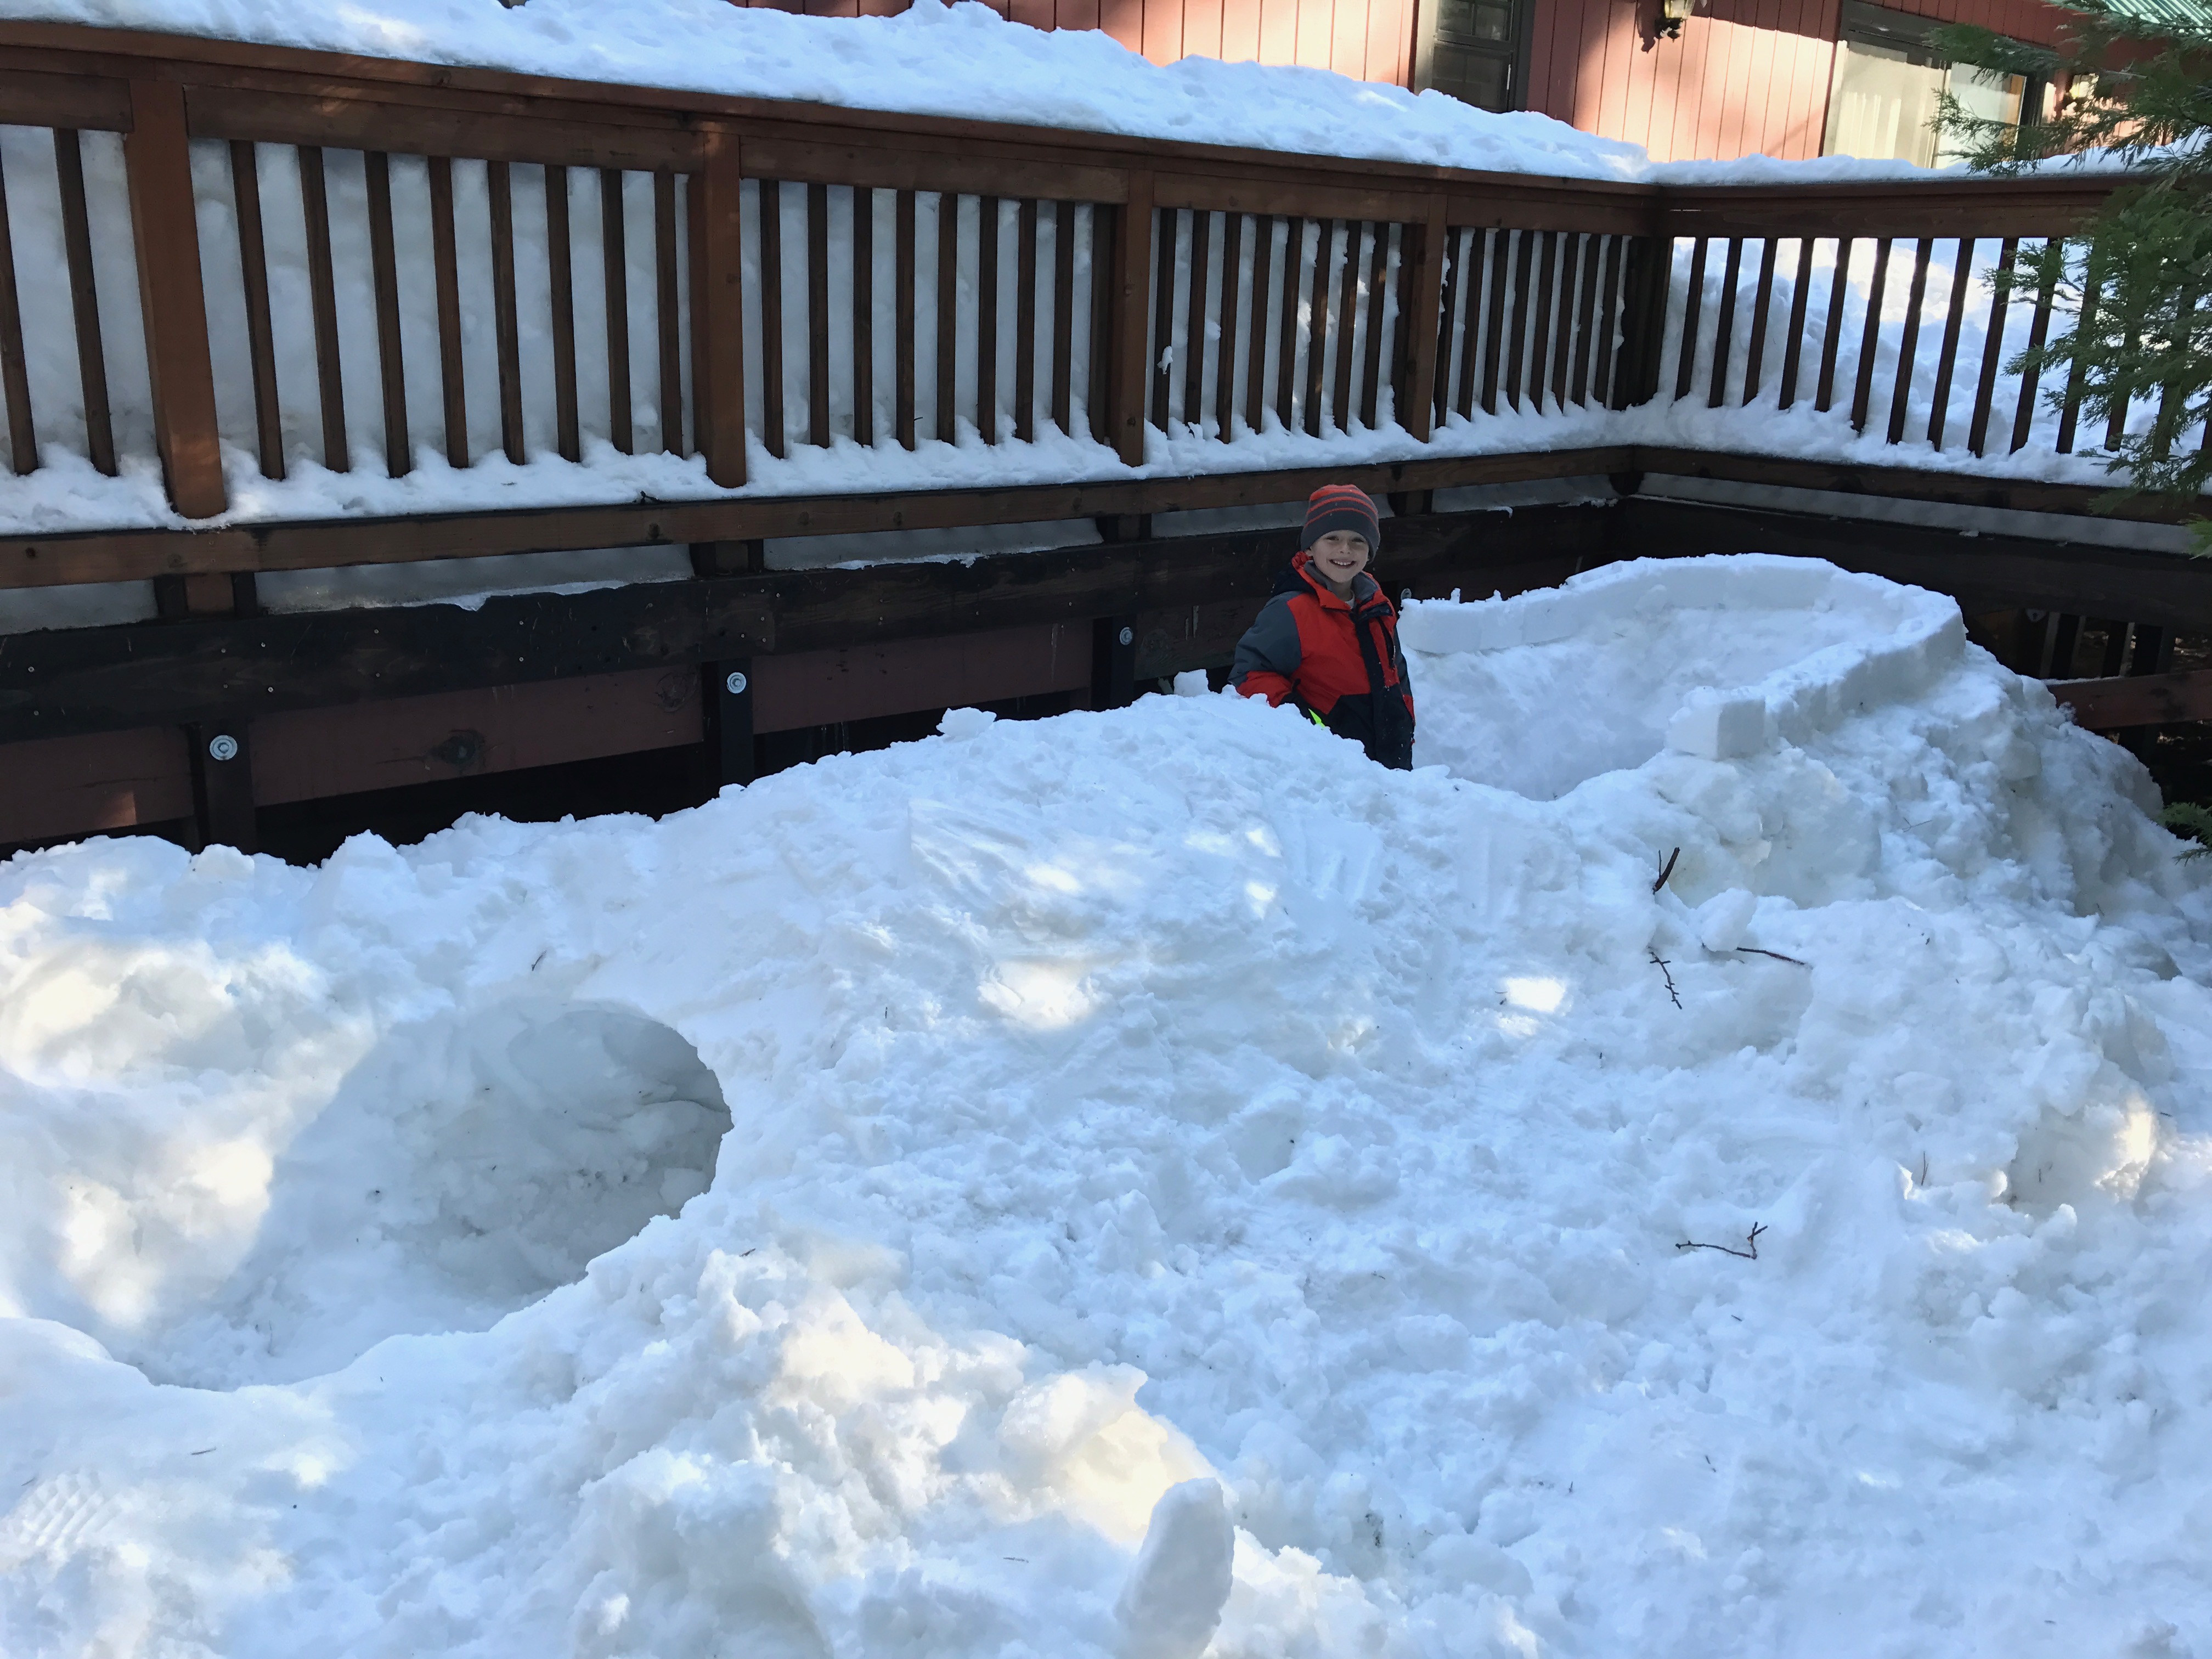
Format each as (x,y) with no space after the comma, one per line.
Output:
(383,268)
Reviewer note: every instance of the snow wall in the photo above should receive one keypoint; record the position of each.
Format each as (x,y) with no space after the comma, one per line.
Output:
(1187,1190)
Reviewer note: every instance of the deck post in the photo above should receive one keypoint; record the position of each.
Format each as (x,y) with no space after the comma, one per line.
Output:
(727,704)
(1132,321)
(1113,662)
(1421,293)
(223,785)
(718,312)
(157,165)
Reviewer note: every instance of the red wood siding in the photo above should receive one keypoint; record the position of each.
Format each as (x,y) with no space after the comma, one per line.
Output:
(1747,77)
(1367,39)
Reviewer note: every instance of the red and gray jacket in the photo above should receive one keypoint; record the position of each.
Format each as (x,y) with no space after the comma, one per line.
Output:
(1338,660)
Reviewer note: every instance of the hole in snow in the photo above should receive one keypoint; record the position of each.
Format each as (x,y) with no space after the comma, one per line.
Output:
(464,1169)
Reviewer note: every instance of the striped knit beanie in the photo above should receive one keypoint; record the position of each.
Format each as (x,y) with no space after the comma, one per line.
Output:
(1342,506)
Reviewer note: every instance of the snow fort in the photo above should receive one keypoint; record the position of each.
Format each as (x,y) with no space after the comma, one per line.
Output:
(1710,1164)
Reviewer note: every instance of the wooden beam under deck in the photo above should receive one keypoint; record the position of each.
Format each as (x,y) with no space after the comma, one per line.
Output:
(98,679)
(2116,704)
(137,555)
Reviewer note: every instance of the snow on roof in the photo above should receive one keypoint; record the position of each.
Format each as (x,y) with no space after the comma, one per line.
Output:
(1535,1251)
(961,60)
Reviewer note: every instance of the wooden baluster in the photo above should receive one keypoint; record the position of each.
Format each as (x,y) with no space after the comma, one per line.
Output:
(1224,373)
(2023,418)
(1977,429)
(908,301)
(1870,336)
(1832,336)
(84,300)
(774,437)
(1612,331)
(330,377)
(2115,419)
(15,373)
(948,314)
(1649,286)
(1449,253)
(1347,322)
(1063,315)
(1516,326)
(384,269)
(261,333)
(1754,362)
(173,303)
(1725,323)
(669,310)
(1133,268)
(1379,293)
(1324,267)
(2085,323)
(1288,330)
(1494,331)
(1593,262)
(1102,368)
(1692,307)
(987,318)
(1194,330)
(1158,358)
(504,324)
(614,259)
(718,306)
(561,289)
(1025,298)
(1563,315)
(1474,304)
(1908,343)
(864,316)
(1793,338)
(817,315)
(453,383)
(1947,358)
(1255,350)
(1539,336)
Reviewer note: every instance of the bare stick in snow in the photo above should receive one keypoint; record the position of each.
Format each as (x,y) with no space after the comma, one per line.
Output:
(1661,963)
(1666,869)
(1753,950)
(1749,1252)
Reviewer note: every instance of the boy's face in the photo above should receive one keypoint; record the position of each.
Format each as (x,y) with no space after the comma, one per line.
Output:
(1340,556)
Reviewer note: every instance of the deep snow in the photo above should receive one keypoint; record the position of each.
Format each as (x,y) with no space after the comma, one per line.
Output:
(1131,1101)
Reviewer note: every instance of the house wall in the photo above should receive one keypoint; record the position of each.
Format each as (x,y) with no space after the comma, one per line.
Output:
(1367,39)
(1746,77)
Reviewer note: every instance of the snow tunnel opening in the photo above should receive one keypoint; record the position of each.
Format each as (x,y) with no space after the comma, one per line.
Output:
(464,1169)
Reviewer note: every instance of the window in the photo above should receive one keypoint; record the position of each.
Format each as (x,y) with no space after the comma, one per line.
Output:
(1881,103)
(1472,50)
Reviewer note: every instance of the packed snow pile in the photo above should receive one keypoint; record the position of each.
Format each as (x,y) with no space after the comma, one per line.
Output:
(1169,1187)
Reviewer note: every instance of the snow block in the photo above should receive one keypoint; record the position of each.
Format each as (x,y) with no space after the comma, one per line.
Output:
(1719,728)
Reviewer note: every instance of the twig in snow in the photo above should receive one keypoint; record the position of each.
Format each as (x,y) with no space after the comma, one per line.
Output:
(1750,1253)
(1661,963)
(1666,869)
(1754,951)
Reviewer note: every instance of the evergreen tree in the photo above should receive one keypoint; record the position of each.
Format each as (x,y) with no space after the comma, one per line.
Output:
(2138,278)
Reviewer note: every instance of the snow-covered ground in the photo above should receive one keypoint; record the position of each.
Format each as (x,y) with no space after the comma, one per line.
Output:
(1062,1114)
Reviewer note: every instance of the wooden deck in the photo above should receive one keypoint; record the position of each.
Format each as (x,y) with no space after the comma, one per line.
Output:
(735,286)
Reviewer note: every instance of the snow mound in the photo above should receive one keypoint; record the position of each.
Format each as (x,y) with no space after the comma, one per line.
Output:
(1187,1189)
(1709,657)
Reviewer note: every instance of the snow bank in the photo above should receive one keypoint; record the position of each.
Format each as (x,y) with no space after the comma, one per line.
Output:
(1188,1186)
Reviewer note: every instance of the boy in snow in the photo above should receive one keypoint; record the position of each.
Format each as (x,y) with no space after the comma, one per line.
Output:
(1328,639)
